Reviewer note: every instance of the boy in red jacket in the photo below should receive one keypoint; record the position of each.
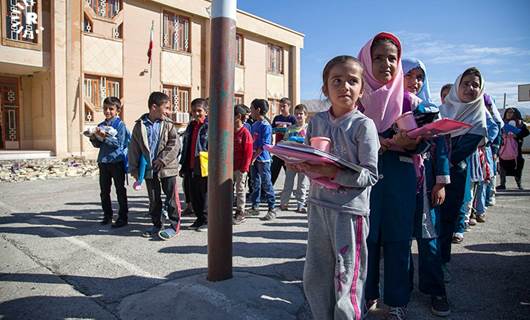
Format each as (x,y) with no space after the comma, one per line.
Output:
(242,158)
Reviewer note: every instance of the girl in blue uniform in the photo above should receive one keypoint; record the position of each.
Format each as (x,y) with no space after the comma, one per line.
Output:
(464,103)
(393,198)
(430,193)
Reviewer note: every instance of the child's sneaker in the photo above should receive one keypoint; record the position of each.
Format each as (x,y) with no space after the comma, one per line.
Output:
(472,222)
(105,221)
(368,306)
(150,232)
(253,212)
(167,233)
(371,305)
(397,313)
(458,238)
(271,215)
(284,207)
(202,228)
(440,306)
(119,223)
(197,223)
(239,218)
(481,218)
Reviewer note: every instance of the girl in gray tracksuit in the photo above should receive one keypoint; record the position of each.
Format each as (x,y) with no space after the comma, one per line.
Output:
(336,259)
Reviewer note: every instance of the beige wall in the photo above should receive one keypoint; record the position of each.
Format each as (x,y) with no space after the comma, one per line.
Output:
(33,60)
(41,112)
(197,68)
(255,68)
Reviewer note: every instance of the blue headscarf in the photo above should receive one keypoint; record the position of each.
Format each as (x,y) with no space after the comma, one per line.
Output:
(412,63)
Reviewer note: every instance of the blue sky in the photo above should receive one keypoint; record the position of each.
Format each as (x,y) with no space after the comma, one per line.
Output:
(448,36)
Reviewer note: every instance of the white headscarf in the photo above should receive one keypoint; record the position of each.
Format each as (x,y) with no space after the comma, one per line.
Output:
(495,112)
(473,113)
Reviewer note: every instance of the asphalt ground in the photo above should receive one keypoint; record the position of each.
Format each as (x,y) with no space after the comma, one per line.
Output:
(57,262)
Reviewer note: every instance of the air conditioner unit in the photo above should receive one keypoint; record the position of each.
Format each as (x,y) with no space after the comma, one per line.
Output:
(182,117)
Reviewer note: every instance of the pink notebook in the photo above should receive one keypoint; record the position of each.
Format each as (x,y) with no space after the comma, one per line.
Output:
(298,153)
(438,128)
(296,156)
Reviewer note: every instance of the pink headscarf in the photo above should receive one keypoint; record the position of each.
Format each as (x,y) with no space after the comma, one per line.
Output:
(382,103)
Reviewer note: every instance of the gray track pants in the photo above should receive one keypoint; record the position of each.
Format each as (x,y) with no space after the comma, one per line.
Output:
(336,261)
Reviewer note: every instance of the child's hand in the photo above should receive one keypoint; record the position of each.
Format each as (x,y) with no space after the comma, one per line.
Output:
(325,170)
(385,144)
(158,165)
(100,133)
(438,194)
(401,139)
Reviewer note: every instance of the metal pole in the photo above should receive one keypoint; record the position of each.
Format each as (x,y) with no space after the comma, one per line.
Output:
(151,64)
(221,139)
(504,104)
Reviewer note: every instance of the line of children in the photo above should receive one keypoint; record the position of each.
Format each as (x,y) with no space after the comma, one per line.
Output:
(348,226)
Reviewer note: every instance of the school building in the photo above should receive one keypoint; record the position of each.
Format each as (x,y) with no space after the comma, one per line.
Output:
(60,58)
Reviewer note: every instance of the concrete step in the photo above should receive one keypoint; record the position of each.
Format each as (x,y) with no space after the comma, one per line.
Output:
(25,154)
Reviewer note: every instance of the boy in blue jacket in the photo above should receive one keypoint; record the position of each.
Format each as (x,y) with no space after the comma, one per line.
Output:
(112,138)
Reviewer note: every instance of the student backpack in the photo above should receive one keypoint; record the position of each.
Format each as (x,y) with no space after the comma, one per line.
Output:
(509,148)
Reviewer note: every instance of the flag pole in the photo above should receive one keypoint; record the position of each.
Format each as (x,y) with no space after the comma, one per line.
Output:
(221,139)
(151,36)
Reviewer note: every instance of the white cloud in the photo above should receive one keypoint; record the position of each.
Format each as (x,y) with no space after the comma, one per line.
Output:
(498,88)
(440,52)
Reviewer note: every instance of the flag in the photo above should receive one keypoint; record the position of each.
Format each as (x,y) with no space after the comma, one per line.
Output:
(150,50)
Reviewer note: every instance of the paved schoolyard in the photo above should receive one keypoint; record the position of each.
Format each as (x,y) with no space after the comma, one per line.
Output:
(57,262)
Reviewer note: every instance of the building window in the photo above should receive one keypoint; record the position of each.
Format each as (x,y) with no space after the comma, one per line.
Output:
(96,89)
(239,50)
(22,21)
(275,59)
(239,99)
(176,32)
(105,8)
(180,102)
